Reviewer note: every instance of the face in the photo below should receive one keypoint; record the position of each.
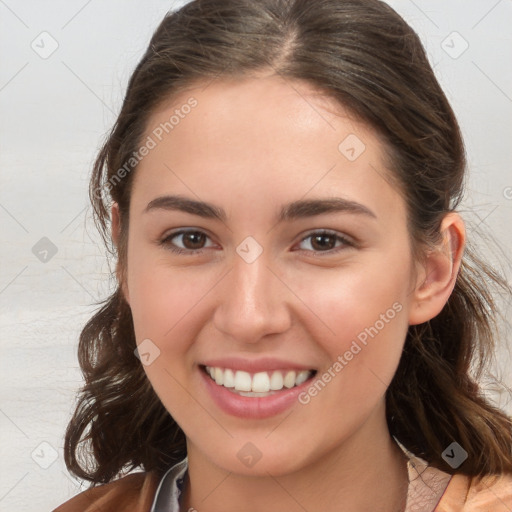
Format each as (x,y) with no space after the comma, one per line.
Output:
(301,264)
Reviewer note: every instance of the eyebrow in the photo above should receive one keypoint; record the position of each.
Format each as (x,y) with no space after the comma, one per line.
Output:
(296,210)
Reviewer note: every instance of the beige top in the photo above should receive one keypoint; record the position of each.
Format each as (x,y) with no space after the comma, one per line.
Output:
(433,490)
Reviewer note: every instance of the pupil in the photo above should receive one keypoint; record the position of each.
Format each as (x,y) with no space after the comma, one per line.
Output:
(317,240)
(198,237)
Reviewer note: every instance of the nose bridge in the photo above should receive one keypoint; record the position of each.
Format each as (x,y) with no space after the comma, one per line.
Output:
(250,301)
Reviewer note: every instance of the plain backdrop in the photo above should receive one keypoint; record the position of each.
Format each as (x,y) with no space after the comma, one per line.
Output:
(64,66)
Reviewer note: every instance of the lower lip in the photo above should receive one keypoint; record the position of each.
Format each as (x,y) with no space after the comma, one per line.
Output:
(252,407)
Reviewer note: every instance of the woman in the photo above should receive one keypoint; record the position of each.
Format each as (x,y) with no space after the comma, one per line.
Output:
(296,313)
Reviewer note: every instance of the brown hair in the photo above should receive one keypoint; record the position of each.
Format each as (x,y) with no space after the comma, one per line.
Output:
(363,54)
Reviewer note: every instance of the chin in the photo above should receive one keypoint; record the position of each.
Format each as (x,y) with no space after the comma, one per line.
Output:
(249,460)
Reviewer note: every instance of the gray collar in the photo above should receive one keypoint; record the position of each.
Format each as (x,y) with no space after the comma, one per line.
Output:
(169,490)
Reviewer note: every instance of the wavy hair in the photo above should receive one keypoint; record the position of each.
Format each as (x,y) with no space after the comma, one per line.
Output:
(364,55)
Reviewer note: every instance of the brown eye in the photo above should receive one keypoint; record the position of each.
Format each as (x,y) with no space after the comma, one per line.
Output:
(191,241)
(327,242)
(322,242)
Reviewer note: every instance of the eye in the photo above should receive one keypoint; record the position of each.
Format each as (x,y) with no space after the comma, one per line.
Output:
(325,242)
(192,241)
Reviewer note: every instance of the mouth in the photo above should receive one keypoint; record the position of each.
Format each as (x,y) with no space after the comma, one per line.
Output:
(259,384)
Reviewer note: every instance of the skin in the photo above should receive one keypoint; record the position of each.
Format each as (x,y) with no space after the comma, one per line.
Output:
(250,146)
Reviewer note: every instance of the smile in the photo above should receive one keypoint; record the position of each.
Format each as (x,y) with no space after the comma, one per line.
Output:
(254,395)
(260,383)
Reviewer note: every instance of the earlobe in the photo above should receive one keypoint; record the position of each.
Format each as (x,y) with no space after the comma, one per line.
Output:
(116,233)
(435,285)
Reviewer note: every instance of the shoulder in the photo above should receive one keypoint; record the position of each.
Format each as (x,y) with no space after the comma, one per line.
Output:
(134,493)
(491,493)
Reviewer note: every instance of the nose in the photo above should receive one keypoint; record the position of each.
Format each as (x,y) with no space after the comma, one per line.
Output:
(252,302)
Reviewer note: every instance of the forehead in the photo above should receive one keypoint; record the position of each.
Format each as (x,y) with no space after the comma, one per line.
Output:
(266,105)
(265,136)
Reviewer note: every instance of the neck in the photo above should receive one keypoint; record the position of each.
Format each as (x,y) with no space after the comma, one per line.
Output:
(367,472)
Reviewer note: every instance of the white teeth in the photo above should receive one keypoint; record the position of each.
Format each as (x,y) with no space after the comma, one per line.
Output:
(229,378)
(289,379)
(301,377)
(259,383)
(252,393)
(276,381)
(219,376)
(243,381)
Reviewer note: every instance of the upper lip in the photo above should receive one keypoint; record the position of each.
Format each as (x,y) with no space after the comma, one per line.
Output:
(263,364)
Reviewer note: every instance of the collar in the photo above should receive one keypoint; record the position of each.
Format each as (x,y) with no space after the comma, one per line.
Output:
(169,490)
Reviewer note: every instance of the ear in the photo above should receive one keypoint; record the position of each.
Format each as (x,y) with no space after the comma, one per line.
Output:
(438,275)
(116,233)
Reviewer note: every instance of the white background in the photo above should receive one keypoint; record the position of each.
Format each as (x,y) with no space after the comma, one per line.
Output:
(54,113)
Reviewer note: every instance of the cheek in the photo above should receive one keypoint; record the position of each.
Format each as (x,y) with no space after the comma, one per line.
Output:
(345,303)
(165,305)
(161,297)
(360,321)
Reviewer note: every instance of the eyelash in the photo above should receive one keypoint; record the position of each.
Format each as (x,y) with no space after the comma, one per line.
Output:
(178,250)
